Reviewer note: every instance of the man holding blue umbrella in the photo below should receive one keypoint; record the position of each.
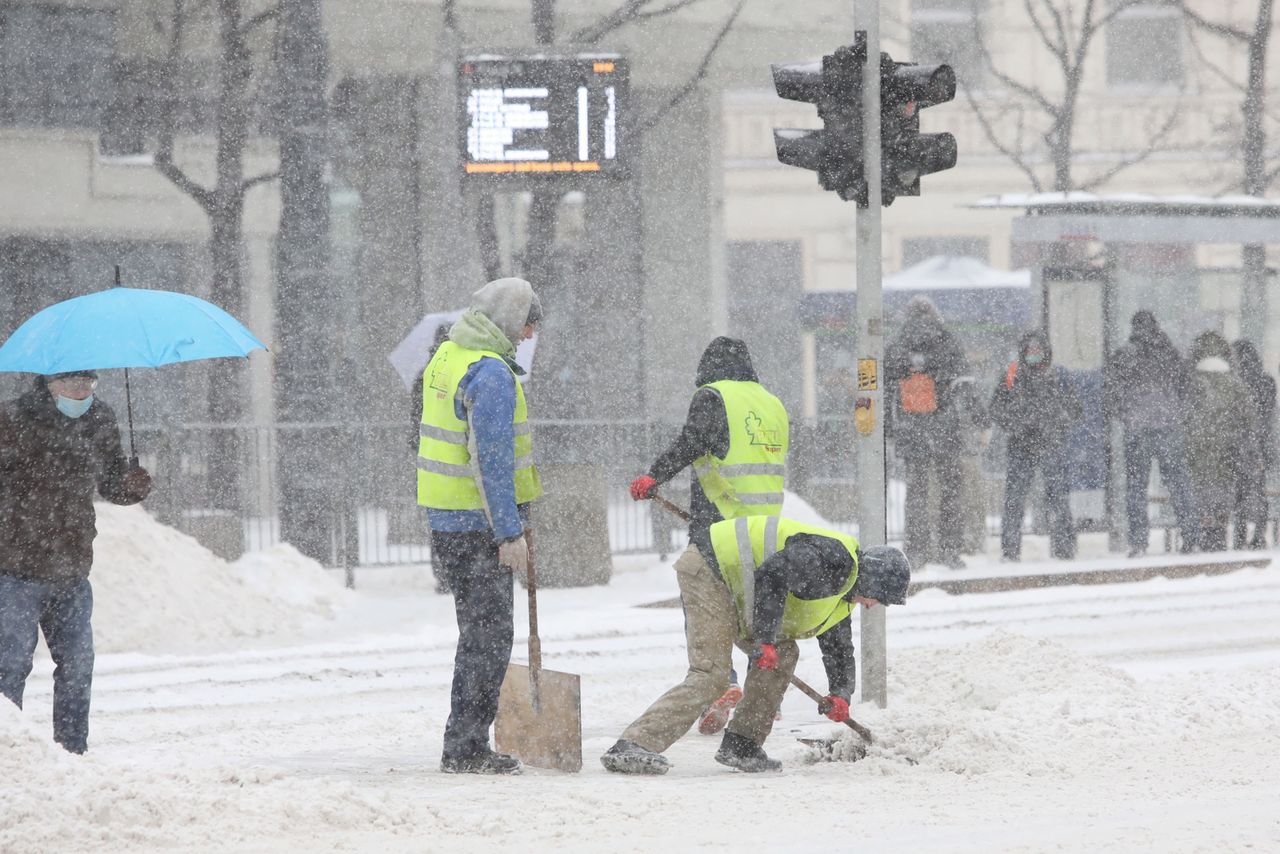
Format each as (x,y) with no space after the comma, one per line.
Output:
(59,445)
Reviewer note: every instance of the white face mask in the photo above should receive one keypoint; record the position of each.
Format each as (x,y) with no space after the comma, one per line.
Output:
(71,407)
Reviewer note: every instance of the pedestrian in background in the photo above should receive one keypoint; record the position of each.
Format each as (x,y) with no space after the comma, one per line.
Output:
(1035,405)
(1146,386)
(1252,503)
(476,478)
(59,445)
(735,439)
(1222,436)
(922,363)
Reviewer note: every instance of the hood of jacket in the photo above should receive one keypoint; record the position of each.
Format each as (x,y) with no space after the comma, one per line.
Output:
(496,319)
(725,359)
(509,304)
(1037,339)
(923,328)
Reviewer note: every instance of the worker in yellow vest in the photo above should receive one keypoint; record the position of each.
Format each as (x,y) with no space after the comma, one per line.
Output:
(476,478)
(735,438)
(768,581)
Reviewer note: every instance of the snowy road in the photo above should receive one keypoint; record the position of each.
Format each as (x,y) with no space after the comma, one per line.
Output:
(1124,717)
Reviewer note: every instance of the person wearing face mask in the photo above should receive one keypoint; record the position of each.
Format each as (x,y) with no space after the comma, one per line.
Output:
(59,445)
(1035,405)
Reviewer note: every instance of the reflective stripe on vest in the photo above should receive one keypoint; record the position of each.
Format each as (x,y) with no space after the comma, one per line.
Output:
(742,545)
(448,476)
(749,480)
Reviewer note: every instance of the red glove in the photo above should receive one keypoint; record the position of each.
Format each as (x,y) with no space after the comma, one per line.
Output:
(642,486)
(768,657)
(836,708)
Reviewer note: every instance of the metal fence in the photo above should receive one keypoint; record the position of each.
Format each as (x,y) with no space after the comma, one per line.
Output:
(226,485)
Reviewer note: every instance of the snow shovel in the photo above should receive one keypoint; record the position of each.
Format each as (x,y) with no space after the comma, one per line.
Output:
(809,692)
(540,711)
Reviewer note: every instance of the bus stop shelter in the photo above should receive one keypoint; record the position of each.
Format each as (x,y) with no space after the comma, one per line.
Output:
(1196,262)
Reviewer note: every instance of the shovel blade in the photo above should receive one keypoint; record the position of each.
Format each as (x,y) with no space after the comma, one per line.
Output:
(543,729)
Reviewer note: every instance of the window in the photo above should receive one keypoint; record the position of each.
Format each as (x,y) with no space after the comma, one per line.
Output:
(55,65)
(943,31)
(1144,47)
(917,249)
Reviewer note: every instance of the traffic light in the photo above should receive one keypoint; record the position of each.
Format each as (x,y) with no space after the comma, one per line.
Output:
(835,151)
(906,154)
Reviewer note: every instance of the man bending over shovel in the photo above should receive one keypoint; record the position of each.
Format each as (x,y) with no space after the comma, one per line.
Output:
(766,581)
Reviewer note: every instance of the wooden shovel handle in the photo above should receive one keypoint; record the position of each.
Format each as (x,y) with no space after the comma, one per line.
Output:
(817,698)
(535,644)
(674,508)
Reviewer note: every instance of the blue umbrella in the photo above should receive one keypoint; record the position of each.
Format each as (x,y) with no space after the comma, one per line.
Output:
(125,328)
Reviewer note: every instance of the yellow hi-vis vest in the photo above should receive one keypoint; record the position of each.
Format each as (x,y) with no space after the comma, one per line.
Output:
(742,545)
(448,473)
(749,480)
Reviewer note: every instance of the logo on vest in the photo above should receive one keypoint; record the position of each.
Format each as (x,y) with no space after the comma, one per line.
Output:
(770,438)
(439,376)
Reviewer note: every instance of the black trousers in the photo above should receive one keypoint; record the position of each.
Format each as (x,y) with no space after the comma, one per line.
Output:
(482,600)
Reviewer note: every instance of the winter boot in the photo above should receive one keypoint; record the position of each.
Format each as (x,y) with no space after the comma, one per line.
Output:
(627,757)
(738,751)
(485,762)
(717,714)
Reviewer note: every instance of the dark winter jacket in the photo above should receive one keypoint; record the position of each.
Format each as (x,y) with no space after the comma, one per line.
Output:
(925,345)
(809,566)
(1262,391)
(1222,428)
(706,427)
(50,468)
(1035,403)
(1147,381)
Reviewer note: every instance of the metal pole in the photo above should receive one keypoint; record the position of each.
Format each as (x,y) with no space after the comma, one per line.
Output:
(869,408)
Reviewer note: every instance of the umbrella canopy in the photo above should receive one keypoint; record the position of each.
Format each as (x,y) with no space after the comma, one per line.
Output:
(125,328)
(409,357)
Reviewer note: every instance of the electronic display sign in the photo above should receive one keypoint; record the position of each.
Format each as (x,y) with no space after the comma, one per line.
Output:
(540,118)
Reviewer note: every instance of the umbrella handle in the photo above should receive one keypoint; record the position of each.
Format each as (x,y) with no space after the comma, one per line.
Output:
(128,402)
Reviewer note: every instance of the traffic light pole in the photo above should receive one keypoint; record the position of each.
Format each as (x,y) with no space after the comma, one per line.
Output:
(870,405)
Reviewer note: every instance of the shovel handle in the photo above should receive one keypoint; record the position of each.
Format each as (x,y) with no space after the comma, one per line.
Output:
(535,643)
(673,508)
(819,699)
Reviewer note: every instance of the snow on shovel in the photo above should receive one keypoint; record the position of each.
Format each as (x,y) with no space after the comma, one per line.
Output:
(809,692)
(540,711)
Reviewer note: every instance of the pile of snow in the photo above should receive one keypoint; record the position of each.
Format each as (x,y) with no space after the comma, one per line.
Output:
(53,800)
(157,589)
(1013,704)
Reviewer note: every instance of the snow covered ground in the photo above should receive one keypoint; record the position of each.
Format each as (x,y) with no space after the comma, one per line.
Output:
(257,706)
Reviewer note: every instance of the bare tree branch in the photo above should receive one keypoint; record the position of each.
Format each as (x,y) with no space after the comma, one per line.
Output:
(449,9)
(1215,27)
(697,76)
(1217,70)
(989,132)
(163,159)
(263,178)
(628,12)
(988,59)
(1134,159)
(1058,48)
(272,14)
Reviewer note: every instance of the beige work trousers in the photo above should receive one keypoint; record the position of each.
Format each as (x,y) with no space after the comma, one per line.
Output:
(711,627)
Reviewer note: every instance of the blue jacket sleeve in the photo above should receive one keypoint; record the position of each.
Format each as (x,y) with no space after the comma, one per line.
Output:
(489,404)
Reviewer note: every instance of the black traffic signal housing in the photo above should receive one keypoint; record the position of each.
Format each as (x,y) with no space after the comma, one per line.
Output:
(906,88)
(835,151)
